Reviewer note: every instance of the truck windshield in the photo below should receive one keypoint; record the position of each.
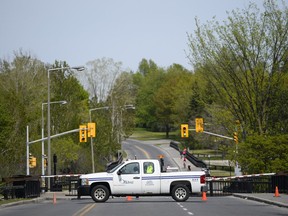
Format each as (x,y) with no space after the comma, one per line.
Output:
(112,170)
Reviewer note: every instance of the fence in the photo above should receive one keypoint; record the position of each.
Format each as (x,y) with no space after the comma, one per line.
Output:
(21,187)
(257,183)
(67,183)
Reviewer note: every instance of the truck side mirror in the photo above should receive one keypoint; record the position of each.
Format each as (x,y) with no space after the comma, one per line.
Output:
(119,172)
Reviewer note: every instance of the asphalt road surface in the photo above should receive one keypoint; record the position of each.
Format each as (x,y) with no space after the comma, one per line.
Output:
(144,150)
(158,206)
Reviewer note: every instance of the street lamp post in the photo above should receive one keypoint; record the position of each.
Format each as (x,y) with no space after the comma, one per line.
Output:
(48,113)
(91,140)
(119,136)
(90,118)
(42,132)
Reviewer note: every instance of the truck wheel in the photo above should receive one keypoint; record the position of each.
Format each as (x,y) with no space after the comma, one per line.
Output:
(180,193)
(100,193)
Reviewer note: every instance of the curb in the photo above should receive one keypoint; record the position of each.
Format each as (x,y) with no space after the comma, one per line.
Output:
(21,202)
(261,200)
(36,200)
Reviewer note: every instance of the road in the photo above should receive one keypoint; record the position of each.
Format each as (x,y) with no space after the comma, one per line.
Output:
(146,150)
(158,206)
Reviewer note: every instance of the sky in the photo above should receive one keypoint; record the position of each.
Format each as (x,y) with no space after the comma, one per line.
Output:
(125,30)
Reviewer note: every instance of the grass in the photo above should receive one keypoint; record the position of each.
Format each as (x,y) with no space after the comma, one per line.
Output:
(143,134)
(205,151)
(221,173)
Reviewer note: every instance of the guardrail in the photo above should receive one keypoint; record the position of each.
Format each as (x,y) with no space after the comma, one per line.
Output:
(194,160)
(114,163)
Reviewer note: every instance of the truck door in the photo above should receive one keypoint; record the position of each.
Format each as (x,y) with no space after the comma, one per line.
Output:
(127,180)
(151,178)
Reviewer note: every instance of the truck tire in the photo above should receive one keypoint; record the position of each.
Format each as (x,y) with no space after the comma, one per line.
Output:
(180,193)
(100,193)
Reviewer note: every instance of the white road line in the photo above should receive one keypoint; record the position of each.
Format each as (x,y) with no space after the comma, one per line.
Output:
(185,209)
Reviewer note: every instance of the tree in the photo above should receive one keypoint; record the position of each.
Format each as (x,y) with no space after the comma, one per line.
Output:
(147,81)
(108,86)
(21,87)
(243,59)
(172,97)
(100,78)
(263,154)
(65,86)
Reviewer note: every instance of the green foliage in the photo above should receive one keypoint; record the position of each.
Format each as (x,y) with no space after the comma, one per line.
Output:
(21,82)
(23,87)
(240,73)
(242,59)
(149,80)
(264,154)
(169,107)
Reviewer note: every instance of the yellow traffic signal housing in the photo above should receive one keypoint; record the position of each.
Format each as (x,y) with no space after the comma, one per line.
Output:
(199,125)
(184,130)
(91,129)
(32,162)
(82,133)
(235,137)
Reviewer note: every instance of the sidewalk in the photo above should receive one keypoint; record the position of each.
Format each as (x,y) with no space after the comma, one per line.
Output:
(62,195)
(174,154)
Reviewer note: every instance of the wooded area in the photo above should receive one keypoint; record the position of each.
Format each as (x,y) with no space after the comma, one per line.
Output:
(239,75)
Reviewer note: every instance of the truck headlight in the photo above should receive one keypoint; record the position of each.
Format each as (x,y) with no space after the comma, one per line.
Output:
(84,181)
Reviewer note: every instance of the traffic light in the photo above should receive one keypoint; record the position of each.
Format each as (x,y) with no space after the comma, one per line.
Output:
(91,129)
(32,162)
(199,125)
(184,131)
(235,137)
(82,133)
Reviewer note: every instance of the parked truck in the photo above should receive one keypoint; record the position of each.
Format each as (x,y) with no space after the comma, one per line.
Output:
(141,178)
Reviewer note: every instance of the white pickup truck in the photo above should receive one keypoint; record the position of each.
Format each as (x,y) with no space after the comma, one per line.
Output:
(141,178)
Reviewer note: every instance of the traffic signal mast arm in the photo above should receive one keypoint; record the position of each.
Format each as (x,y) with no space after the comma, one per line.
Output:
(214,134)
(218,135)
(54,136)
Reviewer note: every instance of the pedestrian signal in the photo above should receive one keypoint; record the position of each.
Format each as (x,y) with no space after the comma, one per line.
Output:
(199,125)
(91,129)
(184,131)
(32,162)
